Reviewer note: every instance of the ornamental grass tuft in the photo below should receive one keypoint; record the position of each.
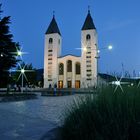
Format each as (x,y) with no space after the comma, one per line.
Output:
(104,116)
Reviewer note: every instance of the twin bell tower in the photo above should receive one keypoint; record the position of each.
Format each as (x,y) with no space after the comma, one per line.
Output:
(71,71)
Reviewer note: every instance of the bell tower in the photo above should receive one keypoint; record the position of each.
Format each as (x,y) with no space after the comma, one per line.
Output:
(52,51)
(89,47)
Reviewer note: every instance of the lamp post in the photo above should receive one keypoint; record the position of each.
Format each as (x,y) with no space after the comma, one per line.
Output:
(97,57)
(22,74)
(22,69)
(85,49)
(110,47)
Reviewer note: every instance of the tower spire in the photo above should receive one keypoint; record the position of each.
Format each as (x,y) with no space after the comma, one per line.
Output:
(53,27)
(88,24)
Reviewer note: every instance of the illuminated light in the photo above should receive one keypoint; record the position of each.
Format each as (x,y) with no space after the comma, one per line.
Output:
(85,49)
(1,55)
(110,47)
(132,84)
(22,71)
(98,51)
(19,53)
(78,48)
(118,83)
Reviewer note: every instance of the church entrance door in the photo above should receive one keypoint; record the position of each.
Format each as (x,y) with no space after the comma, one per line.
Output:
(60,84)
(69,83)
(77,84)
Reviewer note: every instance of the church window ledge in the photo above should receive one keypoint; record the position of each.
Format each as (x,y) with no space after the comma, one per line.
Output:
(88,65)
(88,75)
(88,56)
(49,58)
(88,61)
(88,78)
(49,54)
(88,52)
(88,70)
(49,50)
(88,47)
(49,67)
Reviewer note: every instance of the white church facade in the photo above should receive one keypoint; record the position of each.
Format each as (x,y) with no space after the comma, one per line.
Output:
(71,71)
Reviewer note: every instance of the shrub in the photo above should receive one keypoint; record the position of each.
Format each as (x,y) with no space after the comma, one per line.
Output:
(106,116)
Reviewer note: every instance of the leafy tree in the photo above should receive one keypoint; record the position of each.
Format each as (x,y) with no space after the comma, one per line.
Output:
(8,49)
(29,74)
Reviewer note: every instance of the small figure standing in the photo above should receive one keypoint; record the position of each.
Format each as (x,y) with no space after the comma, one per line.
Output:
(55,86)
(8,88)
(50,86)
(26,87)
(19,88)
(15,87)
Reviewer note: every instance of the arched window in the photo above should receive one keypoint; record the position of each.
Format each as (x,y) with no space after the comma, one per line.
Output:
(78,68)
(88,37)
(69,66)
(61,69)
(50,40)
(58,41)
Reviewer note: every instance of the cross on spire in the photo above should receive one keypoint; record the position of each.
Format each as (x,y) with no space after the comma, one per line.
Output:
(88,8)
(0,10)
(53,13)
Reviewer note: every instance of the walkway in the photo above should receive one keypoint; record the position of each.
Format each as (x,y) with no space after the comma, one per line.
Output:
(30,120)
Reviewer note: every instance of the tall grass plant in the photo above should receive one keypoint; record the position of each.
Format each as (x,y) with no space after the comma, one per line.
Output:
(104,116)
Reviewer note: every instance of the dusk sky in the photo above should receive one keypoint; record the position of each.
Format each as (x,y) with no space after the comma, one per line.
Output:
(117,23)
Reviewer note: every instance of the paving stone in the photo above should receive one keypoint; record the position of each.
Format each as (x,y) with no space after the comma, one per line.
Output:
(31,119)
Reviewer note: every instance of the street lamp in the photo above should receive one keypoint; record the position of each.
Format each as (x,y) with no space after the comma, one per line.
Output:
(85,49)
(19,52)
(110,47)
(23,70)
(1,55)
(118,84)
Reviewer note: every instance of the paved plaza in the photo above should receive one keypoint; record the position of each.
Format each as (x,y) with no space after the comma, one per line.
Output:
(31,119)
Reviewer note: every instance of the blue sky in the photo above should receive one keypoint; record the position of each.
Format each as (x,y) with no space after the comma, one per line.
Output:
(117,23)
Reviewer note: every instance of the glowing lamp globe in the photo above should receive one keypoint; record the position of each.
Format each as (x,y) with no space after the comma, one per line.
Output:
(19,53)
(22,70)
(110,47)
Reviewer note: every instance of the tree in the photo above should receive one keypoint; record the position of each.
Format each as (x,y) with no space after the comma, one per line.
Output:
(8,50)
(29,74)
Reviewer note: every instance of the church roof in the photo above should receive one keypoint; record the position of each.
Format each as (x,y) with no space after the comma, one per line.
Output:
(88,23)
(69,55)
(53,27)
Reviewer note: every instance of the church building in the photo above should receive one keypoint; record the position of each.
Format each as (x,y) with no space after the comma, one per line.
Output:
(71,71)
